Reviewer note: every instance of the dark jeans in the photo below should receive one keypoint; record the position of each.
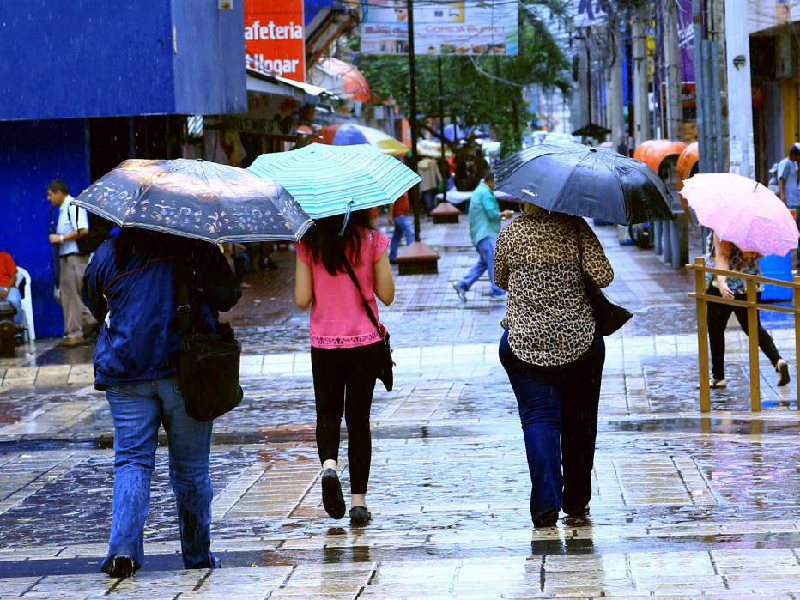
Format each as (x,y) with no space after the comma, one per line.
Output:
(344,380)
(718,315)
(558,411)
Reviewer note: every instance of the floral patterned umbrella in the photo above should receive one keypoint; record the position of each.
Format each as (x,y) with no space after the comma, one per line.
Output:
(196,199)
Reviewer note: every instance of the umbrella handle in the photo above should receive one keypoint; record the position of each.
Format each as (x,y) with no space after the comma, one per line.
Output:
(347,217)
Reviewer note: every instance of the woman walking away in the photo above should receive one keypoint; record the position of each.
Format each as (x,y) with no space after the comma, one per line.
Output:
(729,257)
(553,357)
(345,344)
(131,288)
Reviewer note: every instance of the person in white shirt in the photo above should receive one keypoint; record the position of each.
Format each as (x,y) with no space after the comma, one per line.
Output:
(72,224)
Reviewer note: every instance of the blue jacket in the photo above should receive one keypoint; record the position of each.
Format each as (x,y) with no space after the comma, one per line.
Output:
(484,214)
(140,337)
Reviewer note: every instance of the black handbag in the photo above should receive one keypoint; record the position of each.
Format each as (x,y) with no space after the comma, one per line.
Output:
(208,363)
(383,359)
(609,317)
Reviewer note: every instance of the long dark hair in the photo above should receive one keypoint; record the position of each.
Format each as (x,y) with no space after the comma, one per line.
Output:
(330,248)
(152,243)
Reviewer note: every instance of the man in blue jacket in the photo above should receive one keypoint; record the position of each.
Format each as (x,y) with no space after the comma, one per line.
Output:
(484,227)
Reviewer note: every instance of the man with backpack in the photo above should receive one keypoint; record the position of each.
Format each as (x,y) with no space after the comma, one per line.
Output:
(72,225)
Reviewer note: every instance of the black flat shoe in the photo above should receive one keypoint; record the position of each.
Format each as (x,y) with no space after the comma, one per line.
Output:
(359,515)
(332,498)
(783,373)
(548,519)
(121,567)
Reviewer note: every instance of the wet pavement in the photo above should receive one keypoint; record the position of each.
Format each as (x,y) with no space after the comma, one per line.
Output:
(684,505)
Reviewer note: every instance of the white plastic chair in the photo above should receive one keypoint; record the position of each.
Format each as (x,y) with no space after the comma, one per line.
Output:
(27,302)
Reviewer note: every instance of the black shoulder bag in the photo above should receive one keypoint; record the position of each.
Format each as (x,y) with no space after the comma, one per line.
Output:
(383,359)
(208,363)
(609,317)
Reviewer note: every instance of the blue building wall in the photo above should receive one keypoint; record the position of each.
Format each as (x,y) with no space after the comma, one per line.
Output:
(212,80)
(84,58)
(31,154)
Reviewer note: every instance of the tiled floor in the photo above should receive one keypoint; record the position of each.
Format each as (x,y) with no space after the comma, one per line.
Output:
(684,504)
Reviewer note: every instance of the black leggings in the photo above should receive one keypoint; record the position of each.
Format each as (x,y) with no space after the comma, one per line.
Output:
(344,380)
(718,315)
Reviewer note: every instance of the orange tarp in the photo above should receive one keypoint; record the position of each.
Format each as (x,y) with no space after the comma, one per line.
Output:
(686,162)
(653,152)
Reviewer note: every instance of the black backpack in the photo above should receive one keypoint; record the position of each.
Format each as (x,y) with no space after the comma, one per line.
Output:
(99,232)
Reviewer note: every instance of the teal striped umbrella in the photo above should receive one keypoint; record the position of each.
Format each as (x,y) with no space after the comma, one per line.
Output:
(333,180)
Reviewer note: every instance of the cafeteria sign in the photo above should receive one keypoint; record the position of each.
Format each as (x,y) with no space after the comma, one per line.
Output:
(466,27)
(275,39)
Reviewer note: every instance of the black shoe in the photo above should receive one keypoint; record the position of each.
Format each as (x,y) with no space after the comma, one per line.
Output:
(120,567)
(577,516)
(359,515)
(783,373)
(332,498)
(548,519)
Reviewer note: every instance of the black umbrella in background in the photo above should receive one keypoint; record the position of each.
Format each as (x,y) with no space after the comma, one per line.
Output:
(587,182)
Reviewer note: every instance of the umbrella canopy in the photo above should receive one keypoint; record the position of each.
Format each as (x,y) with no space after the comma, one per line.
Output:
(196,199)
(589,182)
(332,180)
(348,134)
(742,211)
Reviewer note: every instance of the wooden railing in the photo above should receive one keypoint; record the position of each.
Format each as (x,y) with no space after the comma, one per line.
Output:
(752,305)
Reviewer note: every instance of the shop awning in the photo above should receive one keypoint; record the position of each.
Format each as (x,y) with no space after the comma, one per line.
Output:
(257,81)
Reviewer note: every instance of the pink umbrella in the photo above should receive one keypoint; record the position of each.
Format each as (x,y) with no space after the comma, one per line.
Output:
(743,212)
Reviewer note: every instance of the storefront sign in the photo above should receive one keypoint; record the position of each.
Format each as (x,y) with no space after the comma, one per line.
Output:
(466,27)
(275,38)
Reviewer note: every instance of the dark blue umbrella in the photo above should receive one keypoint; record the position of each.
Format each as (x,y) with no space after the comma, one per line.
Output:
(588,182)
(196,199)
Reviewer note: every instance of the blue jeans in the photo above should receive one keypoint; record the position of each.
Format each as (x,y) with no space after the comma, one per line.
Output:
(137,411)
(485,263)
(15,299)
(558,411)
(402,227)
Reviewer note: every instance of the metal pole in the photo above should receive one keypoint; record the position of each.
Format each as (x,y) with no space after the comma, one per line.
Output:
(589,79)
(702,332)
(697,14)
(441,126)
(412,101)
(713,130)
(716,101)
(752,339)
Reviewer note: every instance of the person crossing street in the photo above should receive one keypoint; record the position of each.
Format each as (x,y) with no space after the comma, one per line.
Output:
(484,226)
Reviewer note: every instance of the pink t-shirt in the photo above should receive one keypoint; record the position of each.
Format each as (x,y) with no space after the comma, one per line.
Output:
(338,317)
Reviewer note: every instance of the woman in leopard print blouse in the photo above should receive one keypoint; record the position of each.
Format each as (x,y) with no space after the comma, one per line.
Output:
(551,353)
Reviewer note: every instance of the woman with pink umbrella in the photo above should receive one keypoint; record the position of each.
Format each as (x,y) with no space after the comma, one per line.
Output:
(748,222)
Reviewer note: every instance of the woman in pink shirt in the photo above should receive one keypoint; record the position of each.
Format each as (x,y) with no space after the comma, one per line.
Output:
(345,345)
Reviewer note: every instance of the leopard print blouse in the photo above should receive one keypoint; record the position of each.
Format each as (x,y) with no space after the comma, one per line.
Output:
(548,316)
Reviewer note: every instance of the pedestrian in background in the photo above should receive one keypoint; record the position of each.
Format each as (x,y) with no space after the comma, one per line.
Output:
(552,353)
(345,344)
(789,184)
(402,226)
(71,225)
(729,257)
(131,288)
(484,226)
(428,169)
(8,285)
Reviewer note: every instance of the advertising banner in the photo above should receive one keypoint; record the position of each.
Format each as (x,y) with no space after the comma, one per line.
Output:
(685,18)
(465,27)
(275,38)
(588,13)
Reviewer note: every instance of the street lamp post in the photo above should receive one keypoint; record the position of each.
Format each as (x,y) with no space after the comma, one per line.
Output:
(412,100)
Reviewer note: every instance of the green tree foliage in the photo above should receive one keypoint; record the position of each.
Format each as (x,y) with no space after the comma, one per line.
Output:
(476,90)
